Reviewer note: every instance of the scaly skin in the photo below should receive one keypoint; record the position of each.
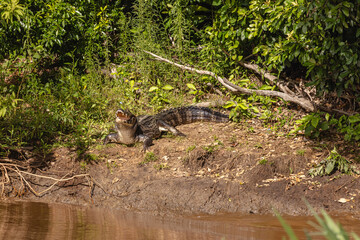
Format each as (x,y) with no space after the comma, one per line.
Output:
(131,129)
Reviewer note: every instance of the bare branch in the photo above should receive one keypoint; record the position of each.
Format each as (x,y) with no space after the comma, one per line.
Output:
(304,103)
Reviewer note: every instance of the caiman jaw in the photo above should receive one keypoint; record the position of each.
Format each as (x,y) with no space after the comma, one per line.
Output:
(125,117)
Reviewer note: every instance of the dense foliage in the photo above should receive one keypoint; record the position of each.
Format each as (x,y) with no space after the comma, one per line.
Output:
(54,54)
(319,37)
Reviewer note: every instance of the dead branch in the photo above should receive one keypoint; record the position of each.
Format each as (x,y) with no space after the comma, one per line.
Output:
(304,103)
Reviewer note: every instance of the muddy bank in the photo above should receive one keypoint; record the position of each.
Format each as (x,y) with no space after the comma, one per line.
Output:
(216,168)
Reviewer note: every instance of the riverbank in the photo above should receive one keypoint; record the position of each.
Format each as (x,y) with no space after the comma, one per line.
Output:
(217,168)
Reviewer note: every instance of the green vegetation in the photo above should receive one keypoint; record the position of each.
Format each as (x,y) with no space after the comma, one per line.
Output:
(312,124)
(213,146)
(325,226)
(149,157)
(300,152)
(111,165)
(66,65)
(258,145)
(83,165)
(190,148)
(210,148)
(332,163)
(263,161)
(161,166)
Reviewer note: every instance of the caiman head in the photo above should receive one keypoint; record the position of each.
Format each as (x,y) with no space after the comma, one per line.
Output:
(125,126)
(125,118)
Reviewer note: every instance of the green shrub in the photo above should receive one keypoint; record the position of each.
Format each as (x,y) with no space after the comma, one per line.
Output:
(332,163)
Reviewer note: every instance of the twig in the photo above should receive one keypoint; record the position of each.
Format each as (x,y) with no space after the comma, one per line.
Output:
(304,103)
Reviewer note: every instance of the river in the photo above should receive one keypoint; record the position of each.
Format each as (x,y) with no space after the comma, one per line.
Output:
(34,220)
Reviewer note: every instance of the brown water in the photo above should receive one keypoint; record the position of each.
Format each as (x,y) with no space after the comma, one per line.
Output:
(29,220)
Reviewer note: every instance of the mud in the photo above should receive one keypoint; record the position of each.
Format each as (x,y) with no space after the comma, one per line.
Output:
(217,168)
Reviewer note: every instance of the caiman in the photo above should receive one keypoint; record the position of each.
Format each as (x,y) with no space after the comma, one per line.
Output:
(144,128)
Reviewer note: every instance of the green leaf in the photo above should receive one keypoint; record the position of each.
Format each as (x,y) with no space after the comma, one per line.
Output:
(132,83)
(329,167)
(236,44)
(36,55)
(2,112)
(346,4)
(315,121)
(354,118)
(229,104)
(153,88)
(191,86)
(168,87)
(308,130)
(255,109)
(304,29)
(327,116)
(216,3)
(324,126)
(243,106)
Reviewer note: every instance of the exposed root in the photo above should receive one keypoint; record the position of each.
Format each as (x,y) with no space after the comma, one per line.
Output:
(7,168)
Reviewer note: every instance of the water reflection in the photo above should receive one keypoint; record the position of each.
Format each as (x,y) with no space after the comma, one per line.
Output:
(29,220)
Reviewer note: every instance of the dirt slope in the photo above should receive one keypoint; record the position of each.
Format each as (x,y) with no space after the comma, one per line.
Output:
(216,168)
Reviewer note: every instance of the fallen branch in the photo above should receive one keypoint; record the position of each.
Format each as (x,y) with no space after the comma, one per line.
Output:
(304,103)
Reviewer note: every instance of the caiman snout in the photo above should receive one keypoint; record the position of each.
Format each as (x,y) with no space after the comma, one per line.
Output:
(125,117)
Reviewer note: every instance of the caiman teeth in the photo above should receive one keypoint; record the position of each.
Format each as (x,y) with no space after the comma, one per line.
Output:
(123,116)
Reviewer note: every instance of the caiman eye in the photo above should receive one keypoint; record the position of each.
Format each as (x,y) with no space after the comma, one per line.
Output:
(130,120)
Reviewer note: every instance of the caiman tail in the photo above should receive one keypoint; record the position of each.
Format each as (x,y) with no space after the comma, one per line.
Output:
(185,115)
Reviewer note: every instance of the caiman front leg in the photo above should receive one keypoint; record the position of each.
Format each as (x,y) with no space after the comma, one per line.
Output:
(170,128)
(112,137)
(146,140)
